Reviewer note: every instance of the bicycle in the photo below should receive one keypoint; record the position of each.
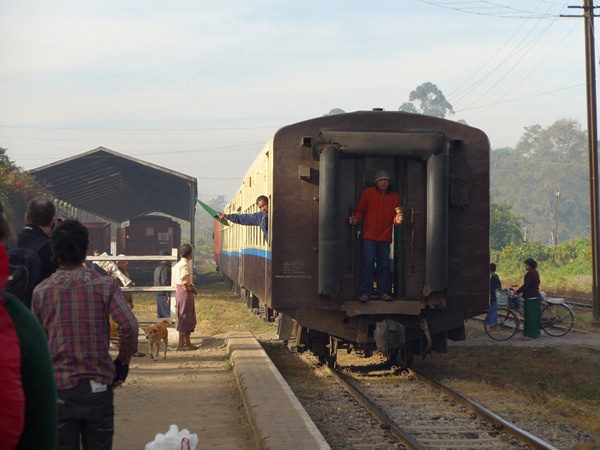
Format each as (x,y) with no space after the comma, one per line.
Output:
(556,320)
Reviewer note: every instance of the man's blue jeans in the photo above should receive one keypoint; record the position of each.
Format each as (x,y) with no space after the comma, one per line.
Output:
(380,252)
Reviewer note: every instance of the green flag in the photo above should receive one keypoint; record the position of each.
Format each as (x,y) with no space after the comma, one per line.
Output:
(212,212)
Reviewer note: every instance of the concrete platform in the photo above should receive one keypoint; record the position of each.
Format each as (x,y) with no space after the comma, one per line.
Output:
(277,417)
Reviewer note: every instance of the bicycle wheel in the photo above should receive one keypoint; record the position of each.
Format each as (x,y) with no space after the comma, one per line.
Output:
(506,326)
(557,319)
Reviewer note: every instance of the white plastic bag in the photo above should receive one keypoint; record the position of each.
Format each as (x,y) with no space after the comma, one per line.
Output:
(174,440)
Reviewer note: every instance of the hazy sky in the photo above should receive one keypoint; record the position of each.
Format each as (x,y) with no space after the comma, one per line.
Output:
(199,87)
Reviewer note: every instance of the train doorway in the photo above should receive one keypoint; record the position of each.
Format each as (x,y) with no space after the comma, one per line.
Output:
(396,168)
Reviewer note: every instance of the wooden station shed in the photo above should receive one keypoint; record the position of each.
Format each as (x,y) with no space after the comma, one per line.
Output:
(118,188)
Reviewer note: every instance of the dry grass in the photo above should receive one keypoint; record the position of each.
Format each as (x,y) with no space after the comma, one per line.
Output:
(218,309)
(558,383)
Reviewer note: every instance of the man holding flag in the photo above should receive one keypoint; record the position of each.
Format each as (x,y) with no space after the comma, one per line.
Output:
(260,218)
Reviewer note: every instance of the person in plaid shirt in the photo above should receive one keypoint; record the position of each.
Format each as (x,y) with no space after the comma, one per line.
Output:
(73,306)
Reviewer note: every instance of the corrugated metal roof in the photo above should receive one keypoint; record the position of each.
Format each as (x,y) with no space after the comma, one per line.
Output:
(118,187)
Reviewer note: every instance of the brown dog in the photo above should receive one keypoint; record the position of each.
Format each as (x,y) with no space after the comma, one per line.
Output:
(156,333)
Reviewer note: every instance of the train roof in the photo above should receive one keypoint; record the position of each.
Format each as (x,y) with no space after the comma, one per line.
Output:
(118,187)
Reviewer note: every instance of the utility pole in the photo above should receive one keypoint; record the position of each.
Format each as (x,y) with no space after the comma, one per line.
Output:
(556,220)
(590,64)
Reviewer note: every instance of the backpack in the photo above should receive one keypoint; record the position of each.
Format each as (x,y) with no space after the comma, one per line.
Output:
(25,270)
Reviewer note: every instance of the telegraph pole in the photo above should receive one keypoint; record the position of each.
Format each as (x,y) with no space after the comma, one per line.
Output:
(557,193)
(590,64)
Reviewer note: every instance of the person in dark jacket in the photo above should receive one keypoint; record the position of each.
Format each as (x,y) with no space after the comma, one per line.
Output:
(495,284)
(162,277)
(39,221)
(532,301)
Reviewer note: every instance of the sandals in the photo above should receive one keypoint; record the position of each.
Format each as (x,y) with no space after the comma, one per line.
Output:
(188,349)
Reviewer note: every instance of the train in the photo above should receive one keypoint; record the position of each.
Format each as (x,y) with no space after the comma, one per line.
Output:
(308,273)
(141,235)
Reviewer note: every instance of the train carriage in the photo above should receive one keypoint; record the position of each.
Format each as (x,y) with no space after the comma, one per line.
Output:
(309,270)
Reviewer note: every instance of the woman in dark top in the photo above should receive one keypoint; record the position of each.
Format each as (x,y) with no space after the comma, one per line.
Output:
(532,302)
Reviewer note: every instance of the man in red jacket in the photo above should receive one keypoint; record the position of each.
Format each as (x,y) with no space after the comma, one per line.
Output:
(378,207)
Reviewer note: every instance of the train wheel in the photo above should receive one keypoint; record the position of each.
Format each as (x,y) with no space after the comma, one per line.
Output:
(405,358)
(330,357)
(332,348)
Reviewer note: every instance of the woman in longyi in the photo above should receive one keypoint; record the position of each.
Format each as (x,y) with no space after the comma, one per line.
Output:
(184,297)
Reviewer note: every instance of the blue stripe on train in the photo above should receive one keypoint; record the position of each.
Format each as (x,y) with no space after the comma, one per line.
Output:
(250,251)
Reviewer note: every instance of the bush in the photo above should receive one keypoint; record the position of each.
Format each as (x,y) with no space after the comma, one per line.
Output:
(564,267)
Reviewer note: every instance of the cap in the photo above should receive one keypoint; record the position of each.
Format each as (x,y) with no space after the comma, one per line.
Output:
(380,175)
(163,253)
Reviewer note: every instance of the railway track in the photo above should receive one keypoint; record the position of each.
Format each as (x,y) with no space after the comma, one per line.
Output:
(577,305)
(584,304)
(423,414)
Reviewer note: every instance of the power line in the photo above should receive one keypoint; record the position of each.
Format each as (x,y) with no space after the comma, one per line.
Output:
(118,142)
(32,127)
(520,98)
(489,8)
(230,148)
(499,100)
(511,53)
(488,60)
(526,52)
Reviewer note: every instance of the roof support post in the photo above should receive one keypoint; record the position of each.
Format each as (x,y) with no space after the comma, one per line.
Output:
(192,219)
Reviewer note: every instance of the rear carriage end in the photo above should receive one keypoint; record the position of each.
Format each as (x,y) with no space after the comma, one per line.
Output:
(310,270)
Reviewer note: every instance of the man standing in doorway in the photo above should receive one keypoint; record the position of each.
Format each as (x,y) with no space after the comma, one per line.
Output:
(380,208)
(259,218)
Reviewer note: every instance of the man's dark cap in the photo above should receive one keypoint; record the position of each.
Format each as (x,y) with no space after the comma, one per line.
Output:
(164,253)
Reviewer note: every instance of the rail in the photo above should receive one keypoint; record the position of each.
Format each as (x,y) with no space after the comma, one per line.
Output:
(504,425)
(404,436)
(407,437)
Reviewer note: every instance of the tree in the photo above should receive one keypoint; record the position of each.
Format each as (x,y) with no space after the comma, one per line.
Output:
(430,100)
(409,107)
(505,227)
(546,161)
(205,224)
(334,111)
(17,187)
(205,227)
(497,156)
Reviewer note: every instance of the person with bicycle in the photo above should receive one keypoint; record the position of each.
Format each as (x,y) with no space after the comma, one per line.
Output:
(532,301)
(495,284)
